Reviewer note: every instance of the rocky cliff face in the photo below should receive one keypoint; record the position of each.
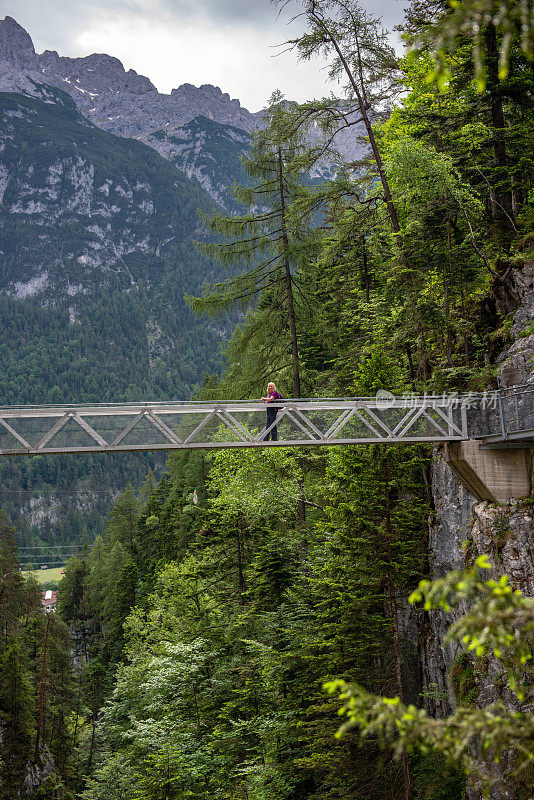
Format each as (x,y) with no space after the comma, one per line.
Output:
(207,151)
(20,769)
(465,528)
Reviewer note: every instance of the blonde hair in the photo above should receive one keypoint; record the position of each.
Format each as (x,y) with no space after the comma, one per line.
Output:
(271,384)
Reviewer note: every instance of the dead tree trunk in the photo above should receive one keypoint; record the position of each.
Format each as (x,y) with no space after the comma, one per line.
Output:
(288,278)
(41,693)
(394,615)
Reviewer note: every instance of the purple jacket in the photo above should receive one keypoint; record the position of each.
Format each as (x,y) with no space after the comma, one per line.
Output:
(273,396)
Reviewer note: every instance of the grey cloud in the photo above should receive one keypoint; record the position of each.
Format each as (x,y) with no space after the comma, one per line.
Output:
(56,23)
(224,11)
(53,24)
(391,11)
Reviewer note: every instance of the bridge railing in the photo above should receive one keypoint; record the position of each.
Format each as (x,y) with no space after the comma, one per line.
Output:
(504,415)
(28,430)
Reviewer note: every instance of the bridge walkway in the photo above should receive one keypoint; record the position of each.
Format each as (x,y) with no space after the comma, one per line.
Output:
(93,428)
(498,419)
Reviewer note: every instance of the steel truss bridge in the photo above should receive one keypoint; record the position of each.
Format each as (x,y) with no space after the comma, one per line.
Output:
(98,428)
(32,430)
(503,418)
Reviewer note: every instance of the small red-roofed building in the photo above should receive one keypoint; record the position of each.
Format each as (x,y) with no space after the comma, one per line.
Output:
(49,600)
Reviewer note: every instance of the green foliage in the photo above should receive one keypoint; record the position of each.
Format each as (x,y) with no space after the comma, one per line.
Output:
(463,679)
(269,241)
(489,627)
(218,687)
(499,624)
(35,688)
(501,531)
(256,239)
(257,484)
(470,20)
(426,769)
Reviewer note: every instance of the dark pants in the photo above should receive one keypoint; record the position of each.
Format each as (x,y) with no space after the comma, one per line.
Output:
(271,417)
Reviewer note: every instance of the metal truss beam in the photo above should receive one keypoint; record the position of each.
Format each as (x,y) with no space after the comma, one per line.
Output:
(101,428)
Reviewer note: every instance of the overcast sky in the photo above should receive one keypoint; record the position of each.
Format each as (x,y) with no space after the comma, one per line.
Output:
(229,43)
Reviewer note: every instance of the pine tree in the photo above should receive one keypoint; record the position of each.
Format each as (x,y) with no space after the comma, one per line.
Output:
(361,56)
(269,240)
(11,581)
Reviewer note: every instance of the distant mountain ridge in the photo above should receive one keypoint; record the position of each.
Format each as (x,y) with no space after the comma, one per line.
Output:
(199,129)
(127,104)
(117,100)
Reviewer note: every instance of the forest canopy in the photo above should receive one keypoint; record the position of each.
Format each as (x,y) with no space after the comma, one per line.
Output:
(219,601)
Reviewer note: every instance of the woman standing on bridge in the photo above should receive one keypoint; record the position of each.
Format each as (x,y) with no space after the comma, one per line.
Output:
(272,396)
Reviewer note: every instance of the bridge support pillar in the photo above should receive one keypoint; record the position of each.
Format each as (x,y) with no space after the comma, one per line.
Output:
(496,475)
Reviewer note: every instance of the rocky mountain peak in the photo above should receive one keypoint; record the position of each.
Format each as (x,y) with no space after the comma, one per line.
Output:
(16,44)
(207,92)
(122,102)
(92,74)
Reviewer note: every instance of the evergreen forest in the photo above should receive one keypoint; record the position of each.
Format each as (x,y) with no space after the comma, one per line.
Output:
(250,624)
(109,325)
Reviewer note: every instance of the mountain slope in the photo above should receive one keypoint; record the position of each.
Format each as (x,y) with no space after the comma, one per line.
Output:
(208,151)
(129,105)
(111,211)
(96,252)
(98,228)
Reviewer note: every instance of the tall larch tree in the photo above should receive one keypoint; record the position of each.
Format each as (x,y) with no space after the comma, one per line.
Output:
(267,242)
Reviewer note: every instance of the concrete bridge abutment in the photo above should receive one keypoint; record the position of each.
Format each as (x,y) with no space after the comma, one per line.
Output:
(495,474)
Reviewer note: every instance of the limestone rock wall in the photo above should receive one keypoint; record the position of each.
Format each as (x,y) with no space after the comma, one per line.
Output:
(32,776)
(464,528)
